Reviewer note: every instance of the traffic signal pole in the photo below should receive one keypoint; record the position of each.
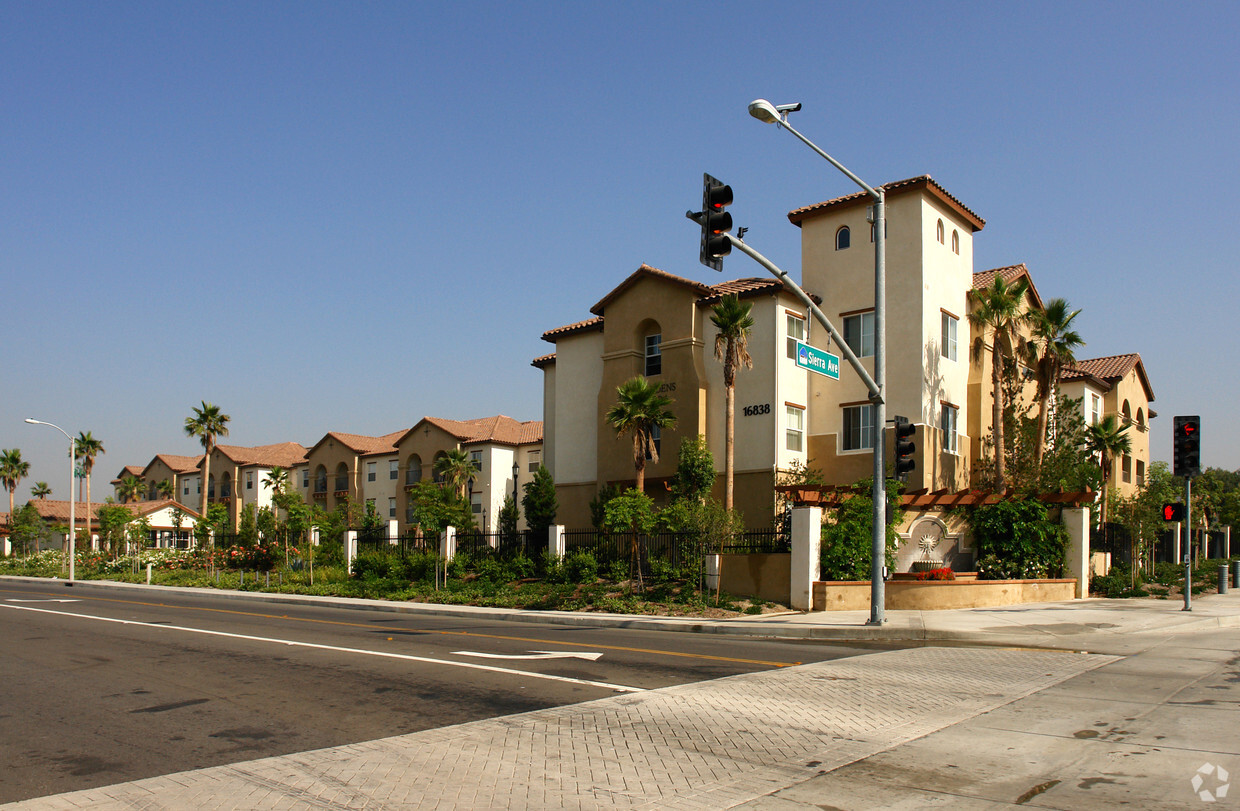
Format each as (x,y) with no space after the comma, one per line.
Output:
(1188,544)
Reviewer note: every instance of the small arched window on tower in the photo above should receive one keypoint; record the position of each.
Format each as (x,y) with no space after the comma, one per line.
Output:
(955,242)
(938,232)
(842,238)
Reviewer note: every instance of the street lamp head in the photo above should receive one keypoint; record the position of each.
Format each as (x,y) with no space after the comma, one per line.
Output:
(33,421)
(763,110)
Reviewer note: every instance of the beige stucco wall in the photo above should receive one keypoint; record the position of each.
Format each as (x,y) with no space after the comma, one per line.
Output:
(575,380)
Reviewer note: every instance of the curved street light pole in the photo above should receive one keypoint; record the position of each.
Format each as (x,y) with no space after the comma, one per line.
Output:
(763,110)
(72,469)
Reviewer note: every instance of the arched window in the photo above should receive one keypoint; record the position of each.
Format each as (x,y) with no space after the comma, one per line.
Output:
(320,479)
(842,238)
(413,470)
(1140,418)
(1127,412)
(955,241)
(342,477)
(938,232)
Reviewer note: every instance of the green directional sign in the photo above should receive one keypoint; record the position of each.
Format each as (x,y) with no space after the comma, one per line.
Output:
(818,360)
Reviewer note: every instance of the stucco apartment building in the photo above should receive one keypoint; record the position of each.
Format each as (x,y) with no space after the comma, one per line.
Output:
(658,324)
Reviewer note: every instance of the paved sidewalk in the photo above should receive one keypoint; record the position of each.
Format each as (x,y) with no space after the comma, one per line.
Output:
(707,745)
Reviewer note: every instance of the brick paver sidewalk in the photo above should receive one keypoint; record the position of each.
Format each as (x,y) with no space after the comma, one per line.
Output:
(707,745)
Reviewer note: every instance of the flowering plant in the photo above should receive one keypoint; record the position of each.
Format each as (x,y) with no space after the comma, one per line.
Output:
(944,573)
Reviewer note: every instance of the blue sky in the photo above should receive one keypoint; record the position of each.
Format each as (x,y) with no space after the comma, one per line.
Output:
(345,216)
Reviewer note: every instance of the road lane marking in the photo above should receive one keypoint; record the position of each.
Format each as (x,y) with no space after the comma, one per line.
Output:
(15,600)
(371,627)
(315,646)
(535,654)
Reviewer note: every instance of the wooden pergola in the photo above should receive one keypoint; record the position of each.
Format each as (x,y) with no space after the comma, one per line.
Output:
(832,495)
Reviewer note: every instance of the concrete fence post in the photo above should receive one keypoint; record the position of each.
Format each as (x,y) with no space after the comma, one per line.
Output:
(806,563)
(714,571)
(393,532)
(350,549)
(555,541)
(1076,522)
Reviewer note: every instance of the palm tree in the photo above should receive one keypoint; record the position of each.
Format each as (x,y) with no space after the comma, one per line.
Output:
(997,312)
(277,481)
(640,410)
(88,447)
(41,490)
(1107,438)
(734,321)
(12,470)
(131,489)
(1052,331)
(206,424)
(166,489)
(456,468)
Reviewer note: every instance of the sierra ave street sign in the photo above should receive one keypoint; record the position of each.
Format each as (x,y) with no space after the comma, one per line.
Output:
(818,360)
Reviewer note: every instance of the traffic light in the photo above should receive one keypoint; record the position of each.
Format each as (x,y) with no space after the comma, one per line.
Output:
(1187,447)
(905,447)
(715,222)
(1173,512)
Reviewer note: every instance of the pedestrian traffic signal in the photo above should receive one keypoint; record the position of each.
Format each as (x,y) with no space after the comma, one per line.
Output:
(904,463)
(1173,512)
(1186,454)
(715,222)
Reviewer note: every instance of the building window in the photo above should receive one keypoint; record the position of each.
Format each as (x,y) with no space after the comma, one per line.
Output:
(859,333)
(249,480)
(858,433)
(1096,410)
(475,503)
(475,458)
(1127,469)
(370,471)
(939,232)
(947,427)
(843,237)
(656,440)
(393,469)
(305,479)
(795,431)
(948,344)
(185,489)
(796,332)
(535,461)
(955,241)
(391,508)
(1140,472)
(654,355)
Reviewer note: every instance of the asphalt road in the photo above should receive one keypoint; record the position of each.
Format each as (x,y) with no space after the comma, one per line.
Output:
(102,687)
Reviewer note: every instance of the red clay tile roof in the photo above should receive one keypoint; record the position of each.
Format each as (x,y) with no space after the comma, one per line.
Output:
(128,470)
(1110,369)
(365,445)
(985,278)
(643,272)
(911,184)
(57,512)
(581,326)
(284,454)
(543,360)
(178,464)
(499,430)
(741,288)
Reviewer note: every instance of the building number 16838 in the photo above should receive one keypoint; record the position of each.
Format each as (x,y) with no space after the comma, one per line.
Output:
(752,410)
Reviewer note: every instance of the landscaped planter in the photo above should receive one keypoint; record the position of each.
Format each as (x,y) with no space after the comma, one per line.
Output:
(930,595)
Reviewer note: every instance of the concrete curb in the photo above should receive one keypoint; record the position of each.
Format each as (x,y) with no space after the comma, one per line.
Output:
(1045,634)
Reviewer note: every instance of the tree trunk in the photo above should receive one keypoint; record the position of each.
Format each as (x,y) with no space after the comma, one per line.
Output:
(729,442)
(996,379)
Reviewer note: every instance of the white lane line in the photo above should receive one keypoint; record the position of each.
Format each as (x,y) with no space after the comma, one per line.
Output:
(534,654)
(403,656)
(52,600)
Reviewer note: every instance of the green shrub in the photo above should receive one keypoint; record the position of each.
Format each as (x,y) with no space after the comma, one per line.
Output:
(581,567)
(1015,540)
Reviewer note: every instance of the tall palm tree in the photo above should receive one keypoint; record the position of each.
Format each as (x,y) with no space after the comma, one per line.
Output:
(1057,341)
(131,489)
(997,314)
(12,470)
(734,321)
(41,490)
(88,447)
(1108,438)
(207,423)
(456,468)
(640,410)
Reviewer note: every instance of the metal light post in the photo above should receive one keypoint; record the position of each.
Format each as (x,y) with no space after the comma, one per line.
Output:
(72,503)
(763,110)
(515,470)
